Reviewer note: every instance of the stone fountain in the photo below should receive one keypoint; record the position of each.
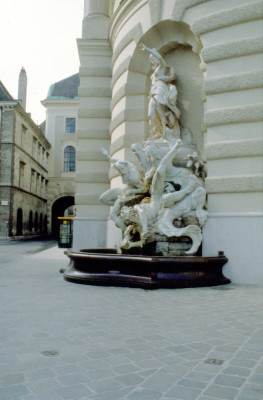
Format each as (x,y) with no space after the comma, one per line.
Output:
(160,208)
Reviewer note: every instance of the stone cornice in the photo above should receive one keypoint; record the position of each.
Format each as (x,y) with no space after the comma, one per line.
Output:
(60,101)
(37,131)
(24,191)
(8,104)
(33,125)
(93,47)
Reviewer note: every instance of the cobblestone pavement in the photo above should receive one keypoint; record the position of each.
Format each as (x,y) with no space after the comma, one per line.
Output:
(60,340)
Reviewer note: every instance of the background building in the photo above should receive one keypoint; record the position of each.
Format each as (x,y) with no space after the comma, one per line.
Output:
(60,128)
(23,167)
(216,49)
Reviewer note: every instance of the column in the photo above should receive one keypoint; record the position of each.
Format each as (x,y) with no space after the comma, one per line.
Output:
(93,127)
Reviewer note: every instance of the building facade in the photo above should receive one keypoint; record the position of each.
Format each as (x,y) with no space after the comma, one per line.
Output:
(216,50)
(61,106)
(23,168)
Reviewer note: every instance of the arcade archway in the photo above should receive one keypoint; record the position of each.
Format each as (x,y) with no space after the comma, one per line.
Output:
(58,210)
(19,222)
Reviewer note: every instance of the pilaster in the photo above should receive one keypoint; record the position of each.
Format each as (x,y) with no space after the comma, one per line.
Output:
(93,127)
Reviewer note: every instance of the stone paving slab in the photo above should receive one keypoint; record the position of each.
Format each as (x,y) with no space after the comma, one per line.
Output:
(60,340)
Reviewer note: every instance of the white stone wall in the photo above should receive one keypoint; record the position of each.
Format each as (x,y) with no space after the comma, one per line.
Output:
(226,36)
(61,183)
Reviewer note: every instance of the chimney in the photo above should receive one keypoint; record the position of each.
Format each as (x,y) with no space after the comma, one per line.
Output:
(22,87)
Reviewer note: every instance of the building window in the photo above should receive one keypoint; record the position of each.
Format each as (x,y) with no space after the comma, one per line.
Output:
(34,146)
(69,158)
(21,174)
(32,181)
(42,187)
(70,125)
(38,182)
(23,136)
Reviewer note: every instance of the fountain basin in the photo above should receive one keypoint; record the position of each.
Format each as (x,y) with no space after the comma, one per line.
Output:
(107,268)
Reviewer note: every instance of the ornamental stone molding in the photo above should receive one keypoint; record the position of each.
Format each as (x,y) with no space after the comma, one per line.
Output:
(232,149)
(230,83)
(230,17)
(240,184)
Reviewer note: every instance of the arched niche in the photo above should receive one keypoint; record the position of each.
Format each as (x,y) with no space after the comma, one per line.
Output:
(180,48)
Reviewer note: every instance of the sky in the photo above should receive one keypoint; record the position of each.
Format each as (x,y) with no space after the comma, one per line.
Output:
(39,35)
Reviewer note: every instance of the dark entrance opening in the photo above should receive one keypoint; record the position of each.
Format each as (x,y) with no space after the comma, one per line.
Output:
(30,221)
(45,225)
(19,222)
(36,222)
(41,224)
(58,210)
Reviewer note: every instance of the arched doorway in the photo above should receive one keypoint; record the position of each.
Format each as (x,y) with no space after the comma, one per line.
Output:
(30,221)
(19,222)
(41,223)
(36,222)
(45,225)
(58,209)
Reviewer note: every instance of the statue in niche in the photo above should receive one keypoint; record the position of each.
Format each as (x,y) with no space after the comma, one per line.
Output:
(163,113)
(162,202)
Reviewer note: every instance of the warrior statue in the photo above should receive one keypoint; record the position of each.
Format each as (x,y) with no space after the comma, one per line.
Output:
(162,111)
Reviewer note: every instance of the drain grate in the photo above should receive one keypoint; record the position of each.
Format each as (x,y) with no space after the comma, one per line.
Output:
(50,352)
(214,361)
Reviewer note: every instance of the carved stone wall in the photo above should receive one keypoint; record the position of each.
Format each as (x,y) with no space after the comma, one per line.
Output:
(227,39)
(23,171)
(226,36)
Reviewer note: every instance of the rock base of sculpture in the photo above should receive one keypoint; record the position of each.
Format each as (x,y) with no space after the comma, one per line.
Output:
(163,246)
(107,268)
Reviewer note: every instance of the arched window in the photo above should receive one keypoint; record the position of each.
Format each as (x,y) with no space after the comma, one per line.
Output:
(69,158)
(30,221)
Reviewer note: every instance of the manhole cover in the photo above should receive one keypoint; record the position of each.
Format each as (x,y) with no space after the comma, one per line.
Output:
(50,352)
(214,361)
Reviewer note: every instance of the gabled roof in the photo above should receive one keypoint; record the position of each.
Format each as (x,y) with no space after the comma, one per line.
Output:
(67,88)
(4,94)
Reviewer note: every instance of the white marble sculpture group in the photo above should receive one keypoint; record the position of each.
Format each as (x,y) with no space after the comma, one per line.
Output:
(162,201)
